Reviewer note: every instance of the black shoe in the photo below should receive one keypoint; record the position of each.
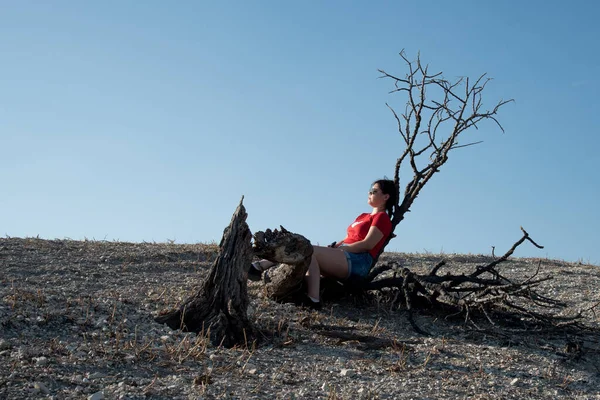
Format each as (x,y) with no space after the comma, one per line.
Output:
(307,302)
(254,274)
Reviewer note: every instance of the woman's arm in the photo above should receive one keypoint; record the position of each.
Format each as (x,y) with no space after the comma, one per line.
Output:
(373,237)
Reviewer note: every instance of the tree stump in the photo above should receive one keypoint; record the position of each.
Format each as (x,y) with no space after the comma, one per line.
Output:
(292,252)
(219,308)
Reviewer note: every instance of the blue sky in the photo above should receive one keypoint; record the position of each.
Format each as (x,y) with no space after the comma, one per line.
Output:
(148,121)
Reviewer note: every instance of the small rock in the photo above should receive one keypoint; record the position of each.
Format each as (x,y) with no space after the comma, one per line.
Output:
(348,372)
(215,357)
(40,361)
(97,375)
(4,345)
(41,387)
(514,382)
(96,396)
(250,369)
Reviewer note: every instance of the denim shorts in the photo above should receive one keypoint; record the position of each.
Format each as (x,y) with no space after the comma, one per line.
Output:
(359,264)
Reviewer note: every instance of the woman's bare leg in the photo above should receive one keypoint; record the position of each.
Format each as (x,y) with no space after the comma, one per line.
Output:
(325,261)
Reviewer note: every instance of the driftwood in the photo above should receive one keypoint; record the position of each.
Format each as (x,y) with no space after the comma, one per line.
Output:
(219,308)
(292,252)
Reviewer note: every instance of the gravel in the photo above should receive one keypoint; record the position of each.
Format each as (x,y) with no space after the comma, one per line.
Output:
(76,322)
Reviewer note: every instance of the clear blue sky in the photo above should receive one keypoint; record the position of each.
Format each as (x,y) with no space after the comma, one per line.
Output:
(147,121)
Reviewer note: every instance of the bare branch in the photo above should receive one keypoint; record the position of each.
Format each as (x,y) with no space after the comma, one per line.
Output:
(437,267)
(399,123)
(466,145)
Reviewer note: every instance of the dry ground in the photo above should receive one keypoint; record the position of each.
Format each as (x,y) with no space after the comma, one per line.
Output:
(76,321)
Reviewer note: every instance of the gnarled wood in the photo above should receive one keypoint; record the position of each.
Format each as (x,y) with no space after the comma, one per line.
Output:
(220,306)
(292,252)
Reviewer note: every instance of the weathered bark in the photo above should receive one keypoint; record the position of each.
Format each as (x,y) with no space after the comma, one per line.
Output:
(292,252)
(219,307)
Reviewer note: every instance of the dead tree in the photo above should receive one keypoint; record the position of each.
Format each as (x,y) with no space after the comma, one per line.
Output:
(437,114)
(436,117)
(219,308)
(486,294)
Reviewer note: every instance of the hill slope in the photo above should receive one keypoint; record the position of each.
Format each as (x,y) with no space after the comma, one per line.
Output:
(76,318)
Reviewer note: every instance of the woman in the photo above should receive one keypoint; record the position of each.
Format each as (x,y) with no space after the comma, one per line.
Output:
(354,255)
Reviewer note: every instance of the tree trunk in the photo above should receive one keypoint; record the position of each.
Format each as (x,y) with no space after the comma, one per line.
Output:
(219,308)
(292,252)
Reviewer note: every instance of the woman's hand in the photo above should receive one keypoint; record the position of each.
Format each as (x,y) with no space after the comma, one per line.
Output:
(336,244)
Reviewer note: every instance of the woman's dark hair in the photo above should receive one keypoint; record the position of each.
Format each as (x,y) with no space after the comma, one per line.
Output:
(388,187)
